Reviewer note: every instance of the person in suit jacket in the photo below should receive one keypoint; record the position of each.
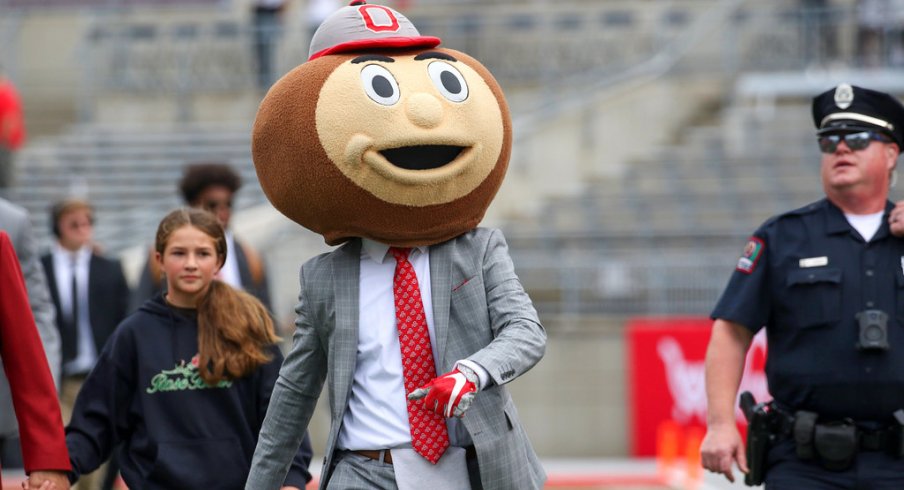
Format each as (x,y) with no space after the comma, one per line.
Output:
(102,293)
(33,391)
(15,222)
(90,294)
(499,332)
(212,186)
(393,148)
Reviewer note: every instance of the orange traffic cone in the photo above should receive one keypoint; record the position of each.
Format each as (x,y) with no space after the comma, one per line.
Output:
(667,436)
(693,439)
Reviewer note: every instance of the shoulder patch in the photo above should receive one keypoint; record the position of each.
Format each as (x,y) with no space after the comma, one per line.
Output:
(751,255)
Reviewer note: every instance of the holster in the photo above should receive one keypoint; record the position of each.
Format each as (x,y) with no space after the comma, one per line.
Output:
(760,435)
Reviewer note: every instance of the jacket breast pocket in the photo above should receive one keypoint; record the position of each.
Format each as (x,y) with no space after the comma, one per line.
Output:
(814,296)
(468,293)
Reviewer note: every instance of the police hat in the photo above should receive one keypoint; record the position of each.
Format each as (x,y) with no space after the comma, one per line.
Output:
(850,108)
(360,26)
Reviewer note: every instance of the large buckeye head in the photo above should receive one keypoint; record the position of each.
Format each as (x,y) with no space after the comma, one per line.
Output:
(404,146)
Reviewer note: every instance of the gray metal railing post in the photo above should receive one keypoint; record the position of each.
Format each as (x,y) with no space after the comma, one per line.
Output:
(10,43)
(730,50)
(87,99)
(571,289)
(184,81)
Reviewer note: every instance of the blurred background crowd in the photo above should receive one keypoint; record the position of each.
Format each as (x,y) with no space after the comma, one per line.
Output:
(651,137)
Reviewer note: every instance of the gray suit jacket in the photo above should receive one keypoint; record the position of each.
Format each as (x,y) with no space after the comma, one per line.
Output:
(481,313)
(14,220)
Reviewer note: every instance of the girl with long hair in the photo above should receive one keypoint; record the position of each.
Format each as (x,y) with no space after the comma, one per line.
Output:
(182,387)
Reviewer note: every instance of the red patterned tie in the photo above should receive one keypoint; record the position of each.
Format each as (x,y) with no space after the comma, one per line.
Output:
(428,429)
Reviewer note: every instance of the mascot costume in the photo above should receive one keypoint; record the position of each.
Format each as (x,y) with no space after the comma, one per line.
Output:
(393,148)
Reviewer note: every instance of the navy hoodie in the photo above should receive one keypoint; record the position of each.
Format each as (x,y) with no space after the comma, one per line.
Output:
(175,431)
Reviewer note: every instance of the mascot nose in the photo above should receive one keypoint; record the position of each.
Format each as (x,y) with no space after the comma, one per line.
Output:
(424,110)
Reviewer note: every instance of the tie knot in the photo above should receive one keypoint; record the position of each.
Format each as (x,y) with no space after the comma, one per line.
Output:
(400,254)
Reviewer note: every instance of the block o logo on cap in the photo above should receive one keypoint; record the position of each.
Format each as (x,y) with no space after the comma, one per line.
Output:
(378,18)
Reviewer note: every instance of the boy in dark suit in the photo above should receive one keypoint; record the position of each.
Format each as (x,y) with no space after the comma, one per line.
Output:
(89,291)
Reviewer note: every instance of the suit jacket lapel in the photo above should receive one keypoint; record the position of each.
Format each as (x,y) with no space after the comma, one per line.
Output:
(51,282)
(441,289)
(344,345)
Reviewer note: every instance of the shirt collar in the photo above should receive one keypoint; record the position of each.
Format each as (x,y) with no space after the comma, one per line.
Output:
(378,252)
(80,255)
(836,222)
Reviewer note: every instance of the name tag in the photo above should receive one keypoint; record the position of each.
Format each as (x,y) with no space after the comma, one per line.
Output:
(814,262)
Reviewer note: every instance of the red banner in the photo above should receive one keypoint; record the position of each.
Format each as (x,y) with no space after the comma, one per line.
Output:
(666,376)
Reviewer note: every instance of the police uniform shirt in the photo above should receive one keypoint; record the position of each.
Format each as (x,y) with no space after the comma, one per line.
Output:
(805,275)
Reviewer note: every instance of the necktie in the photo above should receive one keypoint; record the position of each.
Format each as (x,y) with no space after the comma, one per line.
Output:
(73,313)
(69,322)
(429,436)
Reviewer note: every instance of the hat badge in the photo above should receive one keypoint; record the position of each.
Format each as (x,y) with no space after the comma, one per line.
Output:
(844,96)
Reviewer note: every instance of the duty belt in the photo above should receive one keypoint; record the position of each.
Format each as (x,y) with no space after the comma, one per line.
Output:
(834,444)
(831,444)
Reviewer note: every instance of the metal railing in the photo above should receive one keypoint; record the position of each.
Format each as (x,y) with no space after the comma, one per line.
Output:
(645,278)
(576,44)
(597,44)
(526,45)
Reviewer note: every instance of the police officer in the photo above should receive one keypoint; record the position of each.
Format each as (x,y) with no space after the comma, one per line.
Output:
(827,282)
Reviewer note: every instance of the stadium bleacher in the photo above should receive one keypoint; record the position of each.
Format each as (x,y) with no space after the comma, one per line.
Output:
(652,231)
(129,175)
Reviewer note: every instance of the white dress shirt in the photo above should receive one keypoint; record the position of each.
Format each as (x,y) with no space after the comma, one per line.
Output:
(229,273)
(63,259)
(377,414)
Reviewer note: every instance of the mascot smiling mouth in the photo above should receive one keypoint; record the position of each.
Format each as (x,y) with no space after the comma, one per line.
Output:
(422,157)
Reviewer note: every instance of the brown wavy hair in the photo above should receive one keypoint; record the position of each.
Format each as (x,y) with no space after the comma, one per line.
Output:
(234,328)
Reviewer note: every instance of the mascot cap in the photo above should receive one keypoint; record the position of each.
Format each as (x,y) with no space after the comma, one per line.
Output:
(850,108)
(363,26)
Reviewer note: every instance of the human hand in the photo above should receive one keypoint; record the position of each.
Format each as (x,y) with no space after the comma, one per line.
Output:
(289,488)
(46,480)
(450,394)
(721,447)
(896,219)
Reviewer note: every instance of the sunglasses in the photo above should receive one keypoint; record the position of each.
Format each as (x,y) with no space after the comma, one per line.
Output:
(855,141)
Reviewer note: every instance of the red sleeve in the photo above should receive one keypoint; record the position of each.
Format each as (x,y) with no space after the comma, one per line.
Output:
(25,365)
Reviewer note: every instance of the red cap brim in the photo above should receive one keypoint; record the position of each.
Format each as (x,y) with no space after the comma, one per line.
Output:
(385,42)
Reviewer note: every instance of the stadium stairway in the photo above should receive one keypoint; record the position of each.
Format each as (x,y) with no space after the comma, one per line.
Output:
(129,175)
(698,184)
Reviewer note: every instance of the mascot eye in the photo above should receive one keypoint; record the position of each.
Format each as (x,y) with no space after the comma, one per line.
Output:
(380,85)
(448,80)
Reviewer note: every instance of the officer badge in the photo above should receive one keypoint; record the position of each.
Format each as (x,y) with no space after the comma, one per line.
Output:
(844,96)
(752,252)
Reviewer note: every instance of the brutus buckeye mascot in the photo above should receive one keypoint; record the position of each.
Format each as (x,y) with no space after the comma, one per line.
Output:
(393,148)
